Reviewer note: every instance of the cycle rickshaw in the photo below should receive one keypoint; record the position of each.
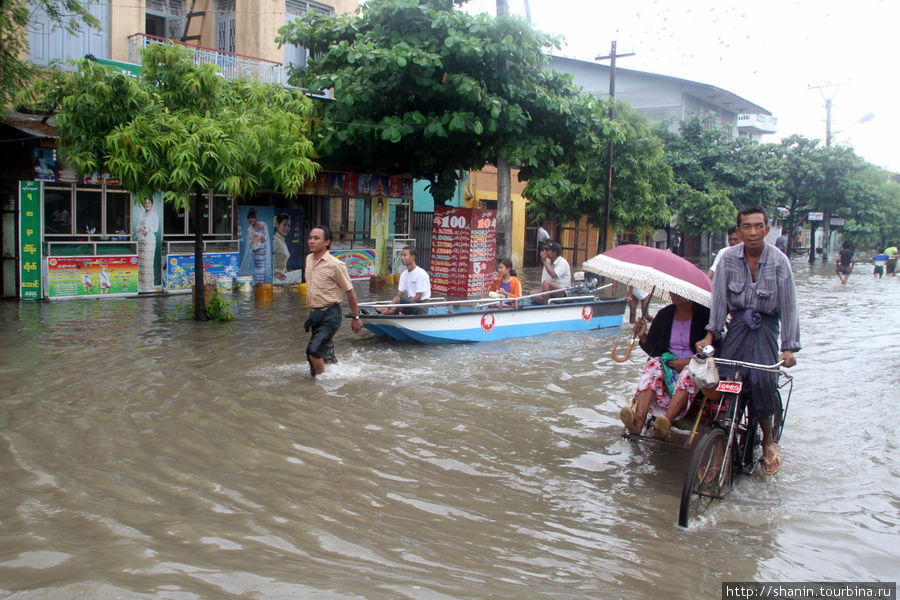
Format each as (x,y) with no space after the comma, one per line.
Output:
(724,440)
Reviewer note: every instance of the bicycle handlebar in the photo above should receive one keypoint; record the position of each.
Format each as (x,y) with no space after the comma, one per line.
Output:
(774,368)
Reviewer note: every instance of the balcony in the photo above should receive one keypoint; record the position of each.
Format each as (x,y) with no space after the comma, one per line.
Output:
(230,64)
(758,124)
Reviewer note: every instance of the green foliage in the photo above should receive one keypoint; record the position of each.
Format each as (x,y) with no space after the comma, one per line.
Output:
(179,127)
(642,181)
(704,213)
(710,157)
(218,309)
(16,73)
(424,88)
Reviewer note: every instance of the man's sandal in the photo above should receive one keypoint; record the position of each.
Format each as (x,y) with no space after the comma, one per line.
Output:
(771,461)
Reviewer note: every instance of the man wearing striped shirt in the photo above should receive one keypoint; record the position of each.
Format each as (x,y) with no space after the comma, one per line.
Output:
(327,281)
(754,284)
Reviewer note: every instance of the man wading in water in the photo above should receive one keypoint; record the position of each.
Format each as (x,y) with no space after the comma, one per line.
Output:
(326,282)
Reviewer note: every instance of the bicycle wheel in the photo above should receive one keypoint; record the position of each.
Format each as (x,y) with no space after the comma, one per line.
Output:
(708,476)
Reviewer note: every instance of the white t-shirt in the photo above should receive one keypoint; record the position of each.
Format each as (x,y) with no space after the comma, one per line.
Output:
(415,281)
(719,254)
(542,235)
(563,272)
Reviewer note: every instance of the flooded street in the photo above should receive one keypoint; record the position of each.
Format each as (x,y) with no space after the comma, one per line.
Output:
(146,457)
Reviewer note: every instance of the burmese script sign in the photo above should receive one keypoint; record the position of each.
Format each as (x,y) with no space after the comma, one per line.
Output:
(463,251)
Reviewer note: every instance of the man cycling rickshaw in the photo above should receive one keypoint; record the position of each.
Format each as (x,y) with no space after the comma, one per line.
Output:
(754,286)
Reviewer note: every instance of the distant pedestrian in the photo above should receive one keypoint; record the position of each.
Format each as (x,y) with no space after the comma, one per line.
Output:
(782,242)
(844,262)
(734,238)
(542,237)
(327,281)
(891,267)
(880,261)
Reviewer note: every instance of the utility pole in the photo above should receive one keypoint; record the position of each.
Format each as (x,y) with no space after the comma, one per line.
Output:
(504,197)
(603,242)
(826,222)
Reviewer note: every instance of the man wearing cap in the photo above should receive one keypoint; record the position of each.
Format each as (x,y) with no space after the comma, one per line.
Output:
(556,275)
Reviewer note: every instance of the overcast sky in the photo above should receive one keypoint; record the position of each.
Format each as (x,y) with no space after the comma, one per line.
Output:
(767,51)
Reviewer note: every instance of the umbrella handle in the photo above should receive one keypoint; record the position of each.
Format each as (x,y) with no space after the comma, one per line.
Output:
(627,352)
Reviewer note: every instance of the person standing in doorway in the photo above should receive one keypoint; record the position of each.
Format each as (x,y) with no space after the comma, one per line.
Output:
(542,237)
(327,281)
(754,285)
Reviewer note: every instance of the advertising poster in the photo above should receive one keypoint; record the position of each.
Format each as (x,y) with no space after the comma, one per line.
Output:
(360,263)
(30,246)
(463,250)
(45,165)
(147,232)
(287,247)
(180,268)
(350,183)
(397,246)
(255,225)
(381,211)
(336,184)
(92,276)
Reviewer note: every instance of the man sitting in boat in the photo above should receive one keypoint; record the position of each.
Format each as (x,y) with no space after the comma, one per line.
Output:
(414,286)
(556,275)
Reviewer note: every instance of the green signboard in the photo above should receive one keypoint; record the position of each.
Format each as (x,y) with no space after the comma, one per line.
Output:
(30,247)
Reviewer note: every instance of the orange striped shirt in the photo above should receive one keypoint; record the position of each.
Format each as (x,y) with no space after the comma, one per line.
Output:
(326,281)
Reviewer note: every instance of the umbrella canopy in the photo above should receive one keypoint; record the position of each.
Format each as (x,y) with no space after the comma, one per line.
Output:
(652,269)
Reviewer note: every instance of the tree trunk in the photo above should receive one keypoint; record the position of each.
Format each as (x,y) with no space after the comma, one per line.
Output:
(812,242)
(199,282)
(504,212)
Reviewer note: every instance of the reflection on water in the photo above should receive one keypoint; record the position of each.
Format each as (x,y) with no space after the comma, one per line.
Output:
(150,458)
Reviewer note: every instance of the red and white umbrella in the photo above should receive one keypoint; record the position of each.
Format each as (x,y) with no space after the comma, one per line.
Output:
(653,270)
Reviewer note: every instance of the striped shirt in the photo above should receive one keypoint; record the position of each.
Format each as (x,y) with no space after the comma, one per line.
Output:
(773,292)
(326,281)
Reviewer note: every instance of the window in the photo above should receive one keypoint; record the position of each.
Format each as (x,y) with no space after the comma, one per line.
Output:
(297,55)
(165,18)
(88,212)
(58,210)
(174,220)
(118,213)
(221,215)
(225,25)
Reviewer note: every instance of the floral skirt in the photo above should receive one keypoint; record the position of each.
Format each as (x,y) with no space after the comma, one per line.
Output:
(653,378)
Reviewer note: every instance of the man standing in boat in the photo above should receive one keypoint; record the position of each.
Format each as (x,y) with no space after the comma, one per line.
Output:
(556,275)
(414,286)
(327,281)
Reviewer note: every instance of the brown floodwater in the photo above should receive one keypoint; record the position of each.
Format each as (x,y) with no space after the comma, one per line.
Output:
(145,456)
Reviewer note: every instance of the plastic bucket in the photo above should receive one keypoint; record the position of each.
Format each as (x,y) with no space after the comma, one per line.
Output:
(245,283)
(224,284)
(263,292)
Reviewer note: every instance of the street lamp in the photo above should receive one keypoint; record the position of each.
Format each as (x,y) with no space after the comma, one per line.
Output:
(863,119)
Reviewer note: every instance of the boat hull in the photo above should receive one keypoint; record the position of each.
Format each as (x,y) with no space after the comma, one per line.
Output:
(483,325)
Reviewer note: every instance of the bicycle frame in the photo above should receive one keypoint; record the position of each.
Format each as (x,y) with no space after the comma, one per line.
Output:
(736,407)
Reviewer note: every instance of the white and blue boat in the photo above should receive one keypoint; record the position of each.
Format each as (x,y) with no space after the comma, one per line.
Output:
(454,321)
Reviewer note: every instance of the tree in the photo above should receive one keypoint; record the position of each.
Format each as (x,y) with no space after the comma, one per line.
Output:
(712,160)
(15,72)
(182,129)
(642,180)
(801,179)
(704,213)
(424,88)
